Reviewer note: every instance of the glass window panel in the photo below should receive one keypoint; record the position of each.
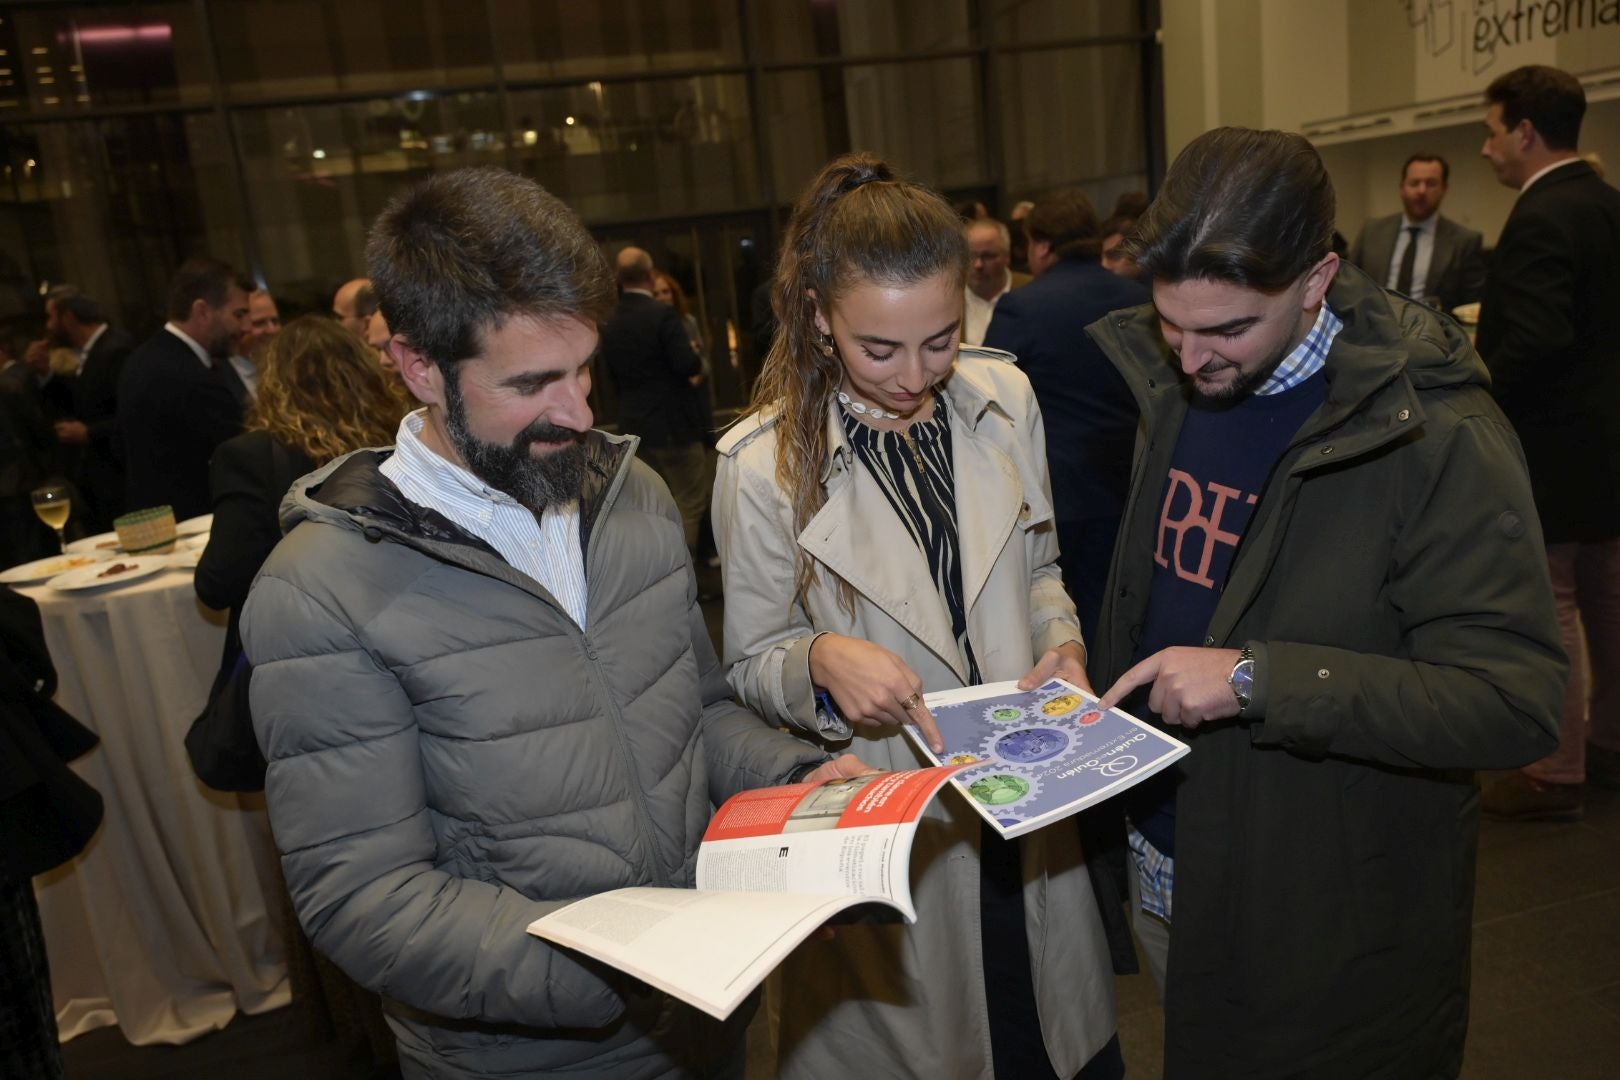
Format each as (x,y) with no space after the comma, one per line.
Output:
(81,57)
(1035,21)
(1093,97)
(800,29)
(277,48)
(318,175)
(659,148)
(114,205)
(924,117)
(541,39)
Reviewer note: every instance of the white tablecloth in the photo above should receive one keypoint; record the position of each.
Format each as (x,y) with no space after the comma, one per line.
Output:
(161,926)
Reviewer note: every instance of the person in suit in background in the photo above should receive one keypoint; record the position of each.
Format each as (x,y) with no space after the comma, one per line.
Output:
(1420,252)
(646,352)
(262,324)
(1090,416)
(990,276)
(1549,331)
(74,320)
(174,405)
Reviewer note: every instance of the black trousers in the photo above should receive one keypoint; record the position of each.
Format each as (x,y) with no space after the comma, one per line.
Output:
(1016,1046)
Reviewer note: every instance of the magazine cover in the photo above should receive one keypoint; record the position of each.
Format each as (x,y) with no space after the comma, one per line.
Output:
(1034,757)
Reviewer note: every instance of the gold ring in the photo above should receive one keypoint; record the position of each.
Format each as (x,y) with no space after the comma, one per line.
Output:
(911,702)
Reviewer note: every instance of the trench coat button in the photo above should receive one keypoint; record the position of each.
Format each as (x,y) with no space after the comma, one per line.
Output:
(1326,450)
(1322,673)
(1123,593)
(1023,515)
(1208,641)
(1404,414)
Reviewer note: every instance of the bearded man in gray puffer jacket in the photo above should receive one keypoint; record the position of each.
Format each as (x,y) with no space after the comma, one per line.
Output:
(481,677)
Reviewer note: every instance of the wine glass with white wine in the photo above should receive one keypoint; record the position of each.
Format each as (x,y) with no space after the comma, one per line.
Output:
(53,503)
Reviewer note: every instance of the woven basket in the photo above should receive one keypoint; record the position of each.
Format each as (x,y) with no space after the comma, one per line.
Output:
(146,532)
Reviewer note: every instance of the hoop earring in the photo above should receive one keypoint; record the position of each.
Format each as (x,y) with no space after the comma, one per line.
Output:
(827,345)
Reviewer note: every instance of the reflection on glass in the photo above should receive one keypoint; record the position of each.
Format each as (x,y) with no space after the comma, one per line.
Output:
(801,29)
(318,175)
(277,48)
(1036,21)
(74,57)
(1093,96)
(656,148)
(115,204)
(549,38)
(923,116)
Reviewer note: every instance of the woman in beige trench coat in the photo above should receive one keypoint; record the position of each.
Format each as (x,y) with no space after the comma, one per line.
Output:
(885,527)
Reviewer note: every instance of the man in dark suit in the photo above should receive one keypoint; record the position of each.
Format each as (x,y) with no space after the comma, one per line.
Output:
(1090,414)
(174,403)
(1421,253)
(1550,333)
(646,352)
(75,321)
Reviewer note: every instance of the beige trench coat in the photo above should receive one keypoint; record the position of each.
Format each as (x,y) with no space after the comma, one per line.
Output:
(882,1001)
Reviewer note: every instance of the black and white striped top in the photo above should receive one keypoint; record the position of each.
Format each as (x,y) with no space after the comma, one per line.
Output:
(916,474)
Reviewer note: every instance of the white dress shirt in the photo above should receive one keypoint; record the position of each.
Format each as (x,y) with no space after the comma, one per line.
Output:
(1425,255)
(1539,173)
(202,353)
(976,319)
(84,353)
(548,550)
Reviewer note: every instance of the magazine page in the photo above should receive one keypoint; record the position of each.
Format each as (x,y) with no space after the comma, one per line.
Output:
(709,949)
(775,864)
(849,837)
(1030,758)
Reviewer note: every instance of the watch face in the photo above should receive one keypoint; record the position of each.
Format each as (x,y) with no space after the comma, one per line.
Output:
(1243,680)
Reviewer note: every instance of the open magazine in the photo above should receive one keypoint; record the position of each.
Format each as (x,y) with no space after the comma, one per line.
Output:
(816,849)
(1029,758)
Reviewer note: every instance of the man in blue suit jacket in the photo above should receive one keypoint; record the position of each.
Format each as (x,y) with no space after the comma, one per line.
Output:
(1090,414)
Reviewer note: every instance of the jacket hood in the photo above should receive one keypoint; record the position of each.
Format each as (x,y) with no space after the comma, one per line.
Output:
(352,492)
(1437,353)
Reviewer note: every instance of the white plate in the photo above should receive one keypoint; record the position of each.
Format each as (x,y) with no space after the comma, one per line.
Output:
(102,543)
(89,577)
(40,569)
(192,543)
(185,558)
(195,526)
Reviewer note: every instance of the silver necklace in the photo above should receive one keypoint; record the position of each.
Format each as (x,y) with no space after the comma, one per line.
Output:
(860,408)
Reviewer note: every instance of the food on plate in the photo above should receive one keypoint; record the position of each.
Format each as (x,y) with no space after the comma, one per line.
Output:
(118,568)
(108,544)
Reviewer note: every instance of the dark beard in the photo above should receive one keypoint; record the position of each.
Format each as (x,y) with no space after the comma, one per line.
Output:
(1245,384)
(536,482)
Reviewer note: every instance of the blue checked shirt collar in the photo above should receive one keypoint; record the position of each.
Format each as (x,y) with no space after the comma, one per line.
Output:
(1308,356)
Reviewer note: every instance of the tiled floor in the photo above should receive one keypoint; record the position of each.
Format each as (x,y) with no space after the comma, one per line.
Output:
(1546,974)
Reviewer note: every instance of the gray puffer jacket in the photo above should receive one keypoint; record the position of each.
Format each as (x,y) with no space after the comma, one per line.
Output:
(452,757)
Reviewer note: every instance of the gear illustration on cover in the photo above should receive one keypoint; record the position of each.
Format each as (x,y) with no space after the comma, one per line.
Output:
(1061,705)
(1005,714)
(1025,747)
(1000,791)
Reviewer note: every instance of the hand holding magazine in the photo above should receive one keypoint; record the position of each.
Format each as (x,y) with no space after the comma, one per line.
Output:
(1029,758)
(776,863)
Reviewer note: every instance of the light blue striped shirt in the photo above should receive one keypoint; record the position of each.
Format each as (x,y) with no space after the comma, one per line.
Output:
(1308,356)
(548,550)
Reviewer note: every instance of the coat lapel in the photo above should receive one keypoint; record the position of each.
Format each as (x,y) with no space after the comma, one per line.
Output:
(857,536)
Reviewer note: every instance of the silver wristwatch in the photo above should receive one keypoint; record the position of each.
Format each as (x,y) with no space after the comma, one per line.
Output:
(1242,678)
